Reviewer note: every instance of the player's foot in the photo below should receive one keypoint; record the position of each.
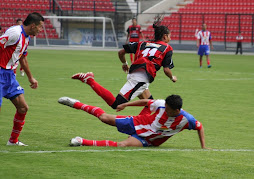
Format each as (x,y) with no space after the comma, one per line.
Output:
(77,141)
(83,76)
(22,73)
(200,67)
(209,66)
(16,144)
(67,101)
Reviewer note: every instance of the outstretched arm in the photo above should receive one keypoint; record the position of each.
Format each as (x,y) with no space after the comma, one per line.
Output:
(142,102)
(201,135)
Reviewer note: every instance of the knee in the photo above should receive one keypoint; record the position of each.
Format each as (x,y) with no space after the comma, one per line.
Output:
(23,109)
(122,144)
(119,100)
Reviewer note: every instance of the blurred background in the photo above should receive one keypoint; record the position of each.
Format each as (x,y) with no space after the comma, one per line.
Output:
(224,19)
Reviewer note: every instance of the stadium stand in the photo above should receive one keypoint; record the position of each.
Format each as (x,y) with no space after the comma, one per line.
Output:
(84,5)
(230,16)
(10,11)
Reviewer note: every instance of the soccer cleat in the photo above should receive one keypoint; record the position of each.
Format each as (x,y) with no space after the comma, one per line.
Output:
(209,66)
(16,144)
(67,101)
(22,73)
(77,141)
(83,76)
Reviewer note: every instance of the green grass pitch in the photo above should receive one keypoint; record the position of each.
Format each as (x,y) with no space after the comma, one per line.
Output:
(220,97)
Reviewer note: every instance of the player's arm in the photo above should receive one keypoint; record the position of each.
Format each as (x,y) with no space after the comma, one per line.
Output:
(168,64)
(121,55)
(25,66)
(142,102)
(142,35)
(201,135)
(210,41)
(169,74)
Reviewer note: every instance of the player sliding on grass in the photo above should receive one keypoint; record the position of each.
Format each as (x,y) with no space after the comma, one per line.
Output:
(166,118)
(149,57)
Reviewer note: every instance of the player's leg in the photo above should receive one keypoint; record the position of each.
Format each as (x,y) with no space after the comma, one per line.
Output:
(88,78)
(237,47)
(129,142)
(200,53)
(208,61)
(19,119)
(207,53)
(241,48)
(145,95)
(93,110)
(131,57)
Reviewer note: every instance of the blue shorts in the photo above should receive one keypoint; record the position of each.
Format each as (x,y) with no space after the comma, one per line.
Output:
(126,126)
(9,86)
(203,49)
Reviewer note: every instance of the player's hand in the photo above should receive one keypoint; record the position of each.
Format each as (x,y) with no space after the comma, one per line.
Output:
(33,83)
(120,107)
(125,68)
(174,79)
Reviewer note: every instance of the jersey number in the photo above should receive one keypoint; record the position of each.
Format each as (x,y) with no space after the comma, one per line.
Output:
(149,52)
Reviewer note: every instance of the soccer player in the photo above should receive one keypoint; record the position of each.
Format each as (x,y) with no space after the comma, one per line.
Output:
(203,43)
(149,57)
(13,48)
(239,40)
(133,34)
(166,118)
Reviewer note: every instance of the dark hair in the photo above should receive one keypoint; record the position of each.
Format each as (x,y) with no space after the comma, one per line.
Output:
(159,31)
(34,17)
(174,101)
(18,20)
(0,27)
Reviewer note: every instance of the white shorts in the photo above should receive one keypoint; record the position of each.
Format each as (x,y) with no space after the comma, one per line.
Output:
(134,87)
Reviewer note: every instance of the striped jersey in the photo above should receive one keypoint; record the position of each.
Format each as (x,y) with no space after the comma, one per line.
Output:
(13,44)
(204,37)
(134,32)
(157,127)
(150,56)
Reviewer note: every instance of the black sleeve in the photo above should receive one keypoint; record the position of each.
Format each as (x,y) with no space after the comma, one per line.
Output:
(128,30)
(131,47)
(167,61)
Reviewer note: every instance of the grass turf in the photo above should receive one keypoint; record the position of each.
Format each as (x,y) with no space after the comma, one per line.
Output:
(220,97)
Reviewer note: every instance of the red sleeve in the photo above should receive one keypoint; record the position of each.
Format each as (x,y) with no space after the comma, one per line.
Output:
(3,41)
(198,126)
(150,102)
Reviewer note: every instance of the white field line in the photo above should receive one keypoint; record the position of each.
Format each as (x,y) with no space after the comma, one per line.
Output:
(129,150)
(226,79)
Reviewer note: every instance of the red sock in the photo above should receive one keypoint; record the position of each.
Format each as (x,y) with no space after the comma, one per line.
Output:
(21,69)
(208,61)
(200,62)
(145,110)
(96,111)
(101,91)
(103,143)
(18,123)
(131,56)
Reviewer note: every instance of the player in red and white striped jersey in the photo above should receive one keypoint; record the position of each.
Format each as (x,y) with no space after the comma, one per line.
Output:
(166,118)
(204,41)
(13,49)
